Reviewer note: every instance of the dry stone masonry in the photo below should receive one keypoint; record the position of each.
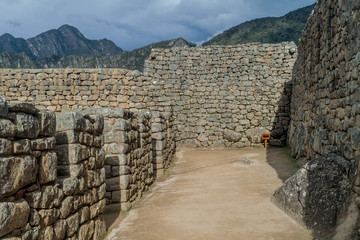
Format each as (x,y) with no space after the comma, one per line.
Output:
(219,96)
(219,93)
(52,176)
(324,132)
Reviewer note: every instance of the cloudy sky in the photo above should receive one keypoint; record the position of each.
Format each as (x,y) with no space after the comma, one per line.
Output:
(136,23)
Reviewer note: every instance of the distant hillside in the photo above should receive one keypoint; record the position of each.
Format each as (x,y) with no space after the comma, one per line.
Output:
(130,60)
(266,30)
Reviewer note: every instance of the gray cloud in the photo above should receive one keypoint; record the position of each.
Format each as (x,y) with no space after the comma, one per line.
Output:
(132,24)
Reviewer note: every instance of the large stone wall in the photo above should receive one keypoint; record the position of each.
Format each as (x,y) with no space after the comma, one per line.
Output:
(219,96)
(223,96)
(324,132)
(52,185)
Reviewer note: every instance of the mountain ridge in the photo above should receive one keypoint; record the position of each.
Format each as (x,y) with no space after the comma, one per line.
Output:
(266,30)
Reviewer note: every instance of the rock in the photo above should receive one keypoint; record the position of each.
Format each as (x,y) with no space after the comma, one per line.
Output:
(46,233)
(15,173)
(13,215)
(47,120)
(86,230)
(72,224)
(22,146)
(231,136)
(318,194)
(276,142)
(27,126)
(97,208)
(48,167)
(71,153)
(23,107)
(5,146)
(70,185)
(100,228)
(70,121)
(254,134)
(98,123)
(84,214)
(7,128)
(3,107)
(59,230)
(66,206)
(246,161)
(43,143)
(48,216)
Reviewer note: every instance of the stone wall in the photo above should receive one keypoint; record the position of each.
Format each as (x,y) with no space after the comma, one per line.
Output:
(138,146)
(219,96)
(50,191)
(324,132)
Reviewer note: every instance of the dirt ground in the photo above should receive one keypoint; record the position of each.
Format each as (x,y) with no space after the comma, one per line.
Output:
(220,194)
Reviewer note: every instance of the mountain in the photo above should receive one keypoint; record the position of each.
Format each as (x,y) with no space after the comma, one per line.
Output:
(130,60)
(64,41)
(266,30)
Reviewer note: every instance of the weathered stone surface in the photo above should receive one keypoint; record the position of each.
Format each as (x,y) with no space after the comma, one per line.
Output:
(3,107)
(254,134)
(48,167)
(15,173)
(22,146)
(69,136)
(70,121)
(71,153)
(23,107)
(7,128)
(5,146)
(27,126)
(97,208)
(47,120)
(48,216)
(66,206)
(86,230)
(43,143)
(13,215)
(59,229)
(318,194)
(46,233)
(72,224)
(70,185)
(100,228)
(232,136)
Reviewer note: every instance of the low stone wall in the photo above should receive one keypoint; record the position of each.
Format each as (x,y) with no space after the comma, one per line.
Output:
(133,142)
(40,199)
(163,141)
(324,133)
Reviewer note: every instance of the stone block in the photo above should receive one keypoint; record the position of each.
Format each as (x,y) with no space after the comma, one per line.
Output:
(48,216)
(70,121)
(100,228)
(71,153)
(46,233)
(76,170)
(43,144)
(86,138)
(69,136)
(23,107)
(69,185)
(72,224)
(119,148)
(7,128)
(122,125)
(98,141)
(86,231)
(3,107)
(66,207)
(98,123)
(22,146)
(59,229)
(15,173)
(84,214)
(13,215)
(48,167)
(231,135)
(47,120)
(116,137)
(97,208)
(5,146)
(254,134)
(27,126)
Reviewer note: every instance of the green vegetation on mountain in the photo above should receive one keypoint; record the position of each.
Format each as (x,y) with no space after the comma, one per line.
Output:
(266,30)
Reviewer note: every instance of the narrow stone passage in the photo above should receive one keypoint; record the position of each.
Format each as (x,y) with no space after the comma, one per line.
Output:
(222,194)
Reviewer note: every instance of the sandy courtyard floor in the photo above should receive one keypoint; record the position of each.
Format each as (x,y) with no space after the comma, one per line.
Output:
(221,194)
